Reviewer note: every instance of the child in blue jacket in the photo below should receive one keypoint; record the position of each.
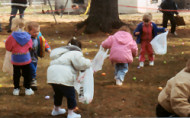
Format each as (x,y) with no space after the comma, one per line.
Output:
(145,32)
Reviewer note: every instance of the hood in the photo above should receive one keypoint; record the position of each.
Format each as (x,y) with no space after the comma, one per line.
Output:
(21,37)
(56,53)
(123,37)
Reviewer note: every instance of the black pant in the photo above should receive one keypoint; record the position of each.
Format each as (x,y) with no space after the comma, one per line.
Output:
(161,112)
(66,91)
(23,70)
(14,10)
(170,17)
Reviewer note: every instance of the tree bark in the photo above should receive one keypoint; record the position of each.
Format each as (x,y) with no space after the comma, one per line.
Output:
(103,16)
(30,2)
(45,2)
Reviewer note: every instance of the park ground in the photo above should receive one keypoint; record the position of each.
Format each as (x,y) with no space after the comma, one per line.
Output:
(136,98)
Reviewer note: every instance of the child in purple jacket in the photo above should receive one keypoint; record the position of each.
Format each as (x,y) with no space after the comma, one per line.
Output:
(122,49)
(19,43)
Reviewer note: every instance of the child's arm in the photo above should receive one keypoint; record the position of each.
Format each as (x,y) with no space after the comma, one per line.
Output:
(8,44)
(138,29)
(47,47)
(80,63)
(107,43)
(159,29)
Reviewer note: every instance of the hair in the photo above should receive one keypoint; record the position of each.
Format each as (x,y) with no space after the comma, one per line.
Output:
(18,23)
(188,66)
(75,41)
(31,25)
(125,28)
(147,17)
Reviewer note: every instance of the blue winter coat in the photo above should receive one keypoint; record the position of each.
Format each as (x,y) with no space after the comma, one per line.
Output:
(155,30)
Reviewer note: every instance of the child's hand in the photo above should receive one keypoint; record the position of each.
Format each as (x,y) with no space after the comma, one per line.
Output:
(49,50)
(166,29)
(137,33)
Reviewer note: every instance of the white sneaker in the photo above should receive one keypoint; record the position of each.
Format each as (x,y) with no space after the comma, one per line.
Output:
(175,33)
(141,64)
(29,91)
(73,115)
(151,63)
(119,82)
(59,112)
(16,91)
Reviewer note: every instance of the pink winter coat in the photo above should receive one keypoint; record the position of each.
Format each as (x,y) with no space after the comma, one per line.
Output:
(122,47)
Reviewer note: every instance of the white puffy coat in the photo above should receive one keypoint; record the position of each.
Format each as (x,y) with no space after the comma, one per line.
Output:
(66,63)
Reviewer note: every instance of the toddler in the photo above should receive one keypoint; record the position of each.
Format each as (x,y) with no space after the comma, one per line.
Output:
(145,32)
(19,43)
(66,62)
(39,47)
(122,49)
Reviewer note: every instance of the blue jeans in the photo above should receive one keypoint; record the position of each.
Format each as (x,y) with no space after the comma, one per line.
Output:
(14,10)
(120,70)
(33,69)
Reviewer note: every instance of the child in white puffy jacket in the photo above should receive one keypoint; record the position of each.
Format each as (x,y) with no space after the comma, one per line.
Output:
(66,62)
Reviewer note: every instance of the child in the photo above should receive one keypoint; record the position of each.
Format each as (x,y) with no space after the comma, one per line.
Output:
(19,43)
(145,32)
(122,49)
(39,47)
(66,62)
(173,100)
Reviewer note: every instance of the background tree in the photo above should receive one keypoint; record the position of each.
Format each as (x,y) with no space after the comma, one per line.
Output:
(103,16)
(30,2)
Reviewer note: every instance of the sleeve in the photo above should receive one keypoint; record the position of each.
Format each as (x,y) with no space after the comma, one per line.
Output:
(47,47)
(138,29)
(159,29)
(179,99)
(134,48)
(8,44)
(107,43)
(80,63)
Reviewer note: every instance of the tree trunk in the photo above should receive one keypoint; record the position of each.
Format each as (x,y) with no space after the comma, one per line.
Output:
(103,16)
(45,2)
(30,2)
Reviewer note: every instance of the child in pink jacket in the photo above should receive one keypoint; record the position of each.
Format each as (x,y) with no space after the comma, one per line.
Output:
(19,43)
(122,49)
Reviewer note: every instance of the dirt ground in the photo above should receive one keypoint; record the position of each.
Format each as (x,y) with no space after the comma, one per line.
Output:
(136,98)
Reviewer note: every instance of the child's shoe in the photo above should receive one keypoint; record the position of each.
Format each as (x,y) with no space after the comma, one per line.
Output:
(73,115)
(119,82)
(16,91)
(151,63)
(29,91)
(59,112)
(141,64)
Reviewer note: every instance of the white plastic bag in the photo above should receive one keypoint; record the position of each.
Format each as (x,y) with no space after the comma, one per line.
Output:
(159,43)
(7,65)
(84,86)
(98,60)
